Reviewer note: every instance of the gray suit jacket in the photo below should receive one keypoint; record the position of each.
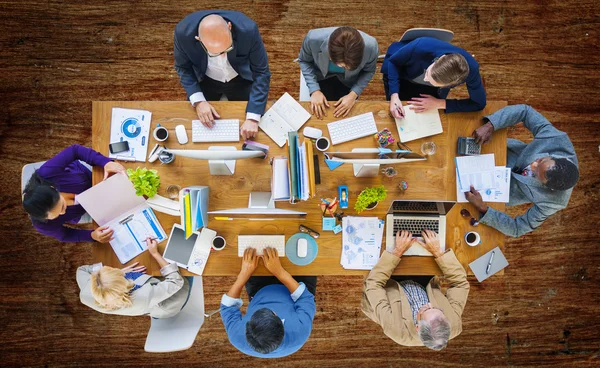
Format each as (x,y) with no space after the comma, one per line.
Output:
(314,60)
(159,299)
(547,141)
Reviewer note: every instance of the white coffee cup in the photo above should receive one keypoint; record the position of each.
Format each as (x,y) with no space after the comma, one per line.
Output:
(474,237)
(160,133)
(218,240)
(322,144)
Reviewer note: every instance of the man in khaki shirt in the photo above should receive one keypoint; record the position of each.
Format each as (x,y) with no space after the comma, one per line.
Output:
(409,313)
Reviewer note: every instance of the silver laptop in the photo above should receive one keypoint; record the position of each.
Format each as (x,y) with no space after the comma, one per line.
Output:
(415,216)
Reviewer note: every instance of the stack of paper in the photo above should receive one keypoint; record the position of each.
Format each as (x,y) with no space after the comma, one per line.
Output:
(286,115)
(492,182)
(361,242)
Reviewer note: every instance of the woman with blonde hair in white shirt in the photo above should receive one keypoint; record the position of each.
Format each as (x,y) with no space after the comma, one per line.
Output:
(129,291)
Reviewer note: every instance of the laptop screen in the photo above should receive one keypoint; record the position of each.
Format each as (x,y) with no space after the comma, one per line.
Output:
(425,207)
(179,248)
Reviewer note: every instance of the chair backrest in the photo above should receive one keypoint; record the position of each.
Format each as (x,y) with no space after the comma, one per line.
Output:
(28,171)
(178,332)
(304,92)
(441,34)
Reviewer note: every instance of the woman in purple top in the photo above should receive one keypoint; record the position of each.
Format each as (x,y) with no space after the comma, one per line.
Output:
(49,197)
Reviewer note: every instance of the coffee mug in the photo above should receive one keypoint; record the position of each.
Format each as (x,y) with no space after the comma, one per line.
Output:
(322,144)
(472,238)
(161,133)
(218,243)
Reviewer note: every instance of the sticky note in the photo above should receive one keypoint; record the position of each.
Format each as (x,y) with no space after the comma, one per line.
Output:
(328,223)
(337,229)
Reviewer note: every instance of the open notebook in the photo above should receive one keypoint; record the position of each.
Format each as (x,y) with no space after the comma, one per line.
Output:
(418,125)
(286,115)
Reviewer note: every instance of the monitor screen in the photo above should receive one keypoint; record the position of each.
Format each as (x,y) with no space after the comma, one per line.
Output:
(179,248)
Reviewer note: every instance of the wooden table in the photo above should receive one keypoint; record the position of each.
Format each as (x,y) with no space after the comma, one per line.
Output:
(433,179)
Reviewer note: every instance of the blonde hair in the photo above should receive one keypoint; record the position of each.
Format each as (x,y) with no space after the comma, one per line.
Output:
(111,289)
(450,70)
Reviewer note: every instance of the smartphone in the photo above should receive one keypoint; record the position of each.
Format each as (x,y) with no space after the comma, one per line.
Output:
(118,147)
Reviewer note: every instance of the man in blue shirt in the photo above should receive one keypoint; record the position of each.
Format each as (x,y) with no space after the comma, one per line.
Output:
(280,313)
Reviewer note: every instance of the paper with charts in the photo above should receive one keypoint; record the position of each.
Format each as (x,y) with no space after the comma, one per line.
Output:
(132,126)
(418,125)
(113,203)
(286,115)
(361,242)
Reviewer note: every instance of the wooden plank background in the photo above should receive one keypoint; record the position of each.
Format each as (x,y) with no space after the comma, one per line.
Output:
(58,56)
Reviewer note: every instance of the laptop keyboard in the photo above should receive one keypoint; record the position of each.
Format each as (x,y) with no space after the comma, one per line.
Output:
(410,206)
(416,226)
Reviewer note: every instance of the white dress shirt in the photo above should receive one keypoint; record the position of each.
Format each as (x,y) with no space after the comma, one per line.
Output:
(219,69)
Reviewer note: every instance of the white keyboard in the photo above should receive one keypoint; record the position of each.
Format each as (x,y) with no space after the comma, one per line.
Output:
(352,128)
(260,242)
(224,130)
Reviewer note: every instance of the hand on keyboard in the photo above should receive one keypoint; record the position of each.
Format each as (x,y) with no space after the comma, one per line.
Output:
(206,113)
(249,262)
(271,261)
(432,243)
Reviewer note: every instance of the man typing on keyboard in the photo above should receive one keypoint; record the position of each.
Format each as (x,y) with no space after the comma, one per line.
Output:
(279,317)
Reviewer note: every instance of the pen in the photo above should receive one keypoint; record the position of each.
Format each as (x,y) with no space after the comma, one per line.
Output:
(125,158)
(399,109)
(489,265)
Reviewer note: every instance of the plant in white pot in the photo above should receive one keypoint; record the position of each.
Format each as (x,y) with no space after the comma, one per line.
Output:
(369,197)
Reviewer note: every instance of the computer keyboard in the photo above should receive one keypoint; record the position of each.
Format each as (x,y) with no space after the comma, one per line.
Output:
(416,226)
(224,130)
(352,128)
(260,242)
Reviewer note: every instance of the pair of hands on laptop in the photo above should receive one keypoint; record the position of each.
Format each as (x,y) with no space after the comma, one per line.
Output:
(404,240)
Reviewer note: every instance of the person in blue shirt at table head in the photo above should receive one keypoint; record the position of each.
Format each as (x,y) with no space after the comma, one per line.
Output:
(423,71)
(279,317)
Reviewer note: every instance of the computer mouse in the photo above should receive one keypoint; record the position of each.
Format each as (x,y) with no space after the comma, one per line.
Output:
(312,132)
(302,247)
(182,137)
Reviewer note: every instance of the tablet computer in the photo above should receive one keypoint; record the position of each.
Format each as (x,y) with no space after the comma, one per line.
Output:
(179,249)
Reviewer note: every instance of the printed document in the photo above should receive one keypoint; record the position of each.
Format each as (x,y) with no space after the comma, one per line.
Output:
(498,192)
(132,126)
(286,115)
(361,242)
(477,171)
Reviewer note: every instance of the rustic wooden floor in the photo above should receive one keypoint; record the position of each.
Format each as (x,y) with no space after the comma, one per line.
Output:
(58,56)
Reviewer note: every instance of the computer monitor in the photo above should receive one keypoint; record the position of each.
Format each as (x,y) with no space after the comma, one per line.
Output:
(260,207)
(221,159)
(366,161)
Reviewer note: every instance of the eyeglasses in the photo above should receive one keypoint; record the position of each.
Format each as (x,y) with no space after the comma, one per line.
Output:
(466,214)
(210,54)
(309,231)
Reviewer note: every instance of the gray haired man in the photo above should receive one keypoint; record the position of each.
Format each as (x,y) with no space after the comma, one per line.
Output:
(413,310)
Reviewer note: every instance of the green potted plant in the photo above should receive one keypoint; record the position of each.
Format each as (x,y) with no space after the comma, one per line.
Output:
(369,197)
(146,182)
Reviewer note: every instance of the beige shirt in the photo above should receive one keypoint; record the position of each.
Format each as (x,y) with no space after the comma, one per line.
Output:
(386,304)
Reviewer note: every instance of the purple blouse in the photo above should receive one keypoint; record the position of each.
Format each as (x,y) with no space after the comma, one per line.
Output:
(69,176)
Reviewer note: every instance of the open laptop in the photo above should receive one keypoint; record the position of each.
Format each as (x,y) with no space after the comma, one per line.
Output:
(415,216)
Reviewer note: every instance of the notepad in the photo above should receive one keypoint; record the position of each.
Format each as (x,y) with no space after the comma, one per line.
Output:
(286,115)
(418,125)
(479,265)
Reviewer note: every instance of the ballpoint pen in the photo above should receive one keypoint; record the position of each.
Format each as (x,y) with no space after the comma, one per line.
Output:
(399,110)
(489,265)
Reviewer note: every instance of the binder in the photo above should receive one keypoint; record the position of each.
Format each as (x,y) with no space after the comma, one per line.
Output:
(293,166)
(311,168)
(193,202)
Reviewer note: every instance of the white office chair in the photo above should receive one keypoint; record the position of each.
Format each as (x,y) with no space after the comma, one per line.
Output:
(304,92)
(179,332)
(28,171)
(414,33)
